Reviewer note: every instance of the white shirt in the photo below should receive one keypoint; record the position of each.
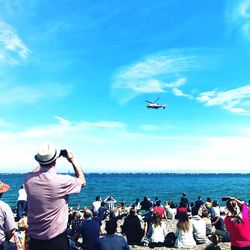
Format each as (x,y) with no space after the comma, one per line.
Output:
(185,239)
(215,212)
(157,234)
(171,212)
(96,205)
(22,196)
(199,229)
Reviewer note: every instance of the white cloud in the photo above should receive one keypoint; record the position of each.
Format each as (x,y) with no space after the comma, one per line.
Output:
(235,100)
(238,15)
(108,146)
(62,121)
(11,43)
(153,127)
(155,74)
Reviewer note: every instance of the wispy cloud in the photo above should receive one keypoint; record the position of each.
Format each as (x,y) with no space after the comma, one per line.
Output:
(235,100)
(156,74)
(11,43)
(153,127)
(238,15)
(31,94)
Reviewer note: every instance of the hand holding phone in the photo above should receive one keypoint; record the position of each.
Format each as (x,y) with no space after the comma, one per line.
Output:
(63,152)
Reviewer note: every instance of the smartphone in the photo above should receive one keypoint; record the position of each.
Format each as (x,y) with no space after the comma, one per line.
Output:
(63,152)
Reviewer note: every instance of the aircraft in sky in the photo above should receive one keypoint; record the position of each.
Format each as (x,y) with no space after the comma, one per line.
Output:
(155,105)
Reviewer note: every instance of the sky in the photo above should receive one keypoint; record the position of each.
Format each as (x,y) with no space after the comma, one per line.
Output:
(76,73)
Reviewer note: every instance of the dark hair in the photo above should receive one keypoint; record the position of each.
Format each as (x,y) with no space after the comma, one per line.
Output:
(157,219)
(97,198)
(204,213)
(158,203)
(182,204)
(195,210)
(132,211)
(215,203)
(183,222)
(111,226)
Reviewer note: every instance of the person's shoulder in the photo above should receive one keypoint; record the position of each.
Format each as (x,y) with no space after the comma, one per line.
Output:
(5,207)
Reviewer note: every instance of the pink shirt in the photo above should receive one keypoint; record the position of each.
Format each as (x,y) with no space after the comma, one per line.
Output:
(47,194)
(239,232)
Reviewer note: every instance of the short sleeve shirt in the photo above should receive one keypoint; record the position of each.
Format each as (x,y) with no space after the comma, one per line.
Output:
(47,194)
(7,222)
(239,232)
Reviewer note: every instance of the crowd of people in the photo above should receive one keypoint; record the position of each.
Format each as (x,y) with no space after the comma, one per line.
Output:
(110,225)
(146,223)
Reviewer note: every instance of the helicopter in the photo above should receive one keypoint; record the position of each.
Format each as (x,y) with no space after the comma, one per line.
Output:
(155,105)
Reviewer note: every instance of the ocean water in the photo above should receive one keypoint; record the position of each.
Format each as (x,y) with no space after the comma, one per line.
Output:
(164,186)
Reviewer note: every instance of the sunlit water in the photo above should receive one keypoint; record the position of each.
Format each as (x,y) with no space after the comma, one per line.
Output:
(164,186)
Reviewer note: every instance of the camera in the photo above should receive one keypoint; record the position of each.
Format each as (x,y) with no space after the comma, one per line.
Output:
(63,152)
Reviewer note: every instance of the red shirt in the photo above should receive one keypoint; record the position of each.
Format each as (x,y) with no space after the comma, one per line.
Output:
(159,210)
(239,232)
(181,210)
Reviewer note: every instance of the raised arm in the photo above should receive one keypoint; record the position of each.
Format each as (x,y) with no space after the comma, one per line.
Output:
(77,169)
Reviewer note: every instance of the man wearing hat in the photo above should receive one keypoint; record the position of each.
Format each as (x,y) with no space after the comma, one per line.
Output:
(47,194)
(7,221)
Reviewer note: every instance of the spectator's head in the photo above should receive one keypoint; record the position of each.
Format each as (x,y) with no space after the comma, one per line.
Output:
(158,203)
(47,154)
(88,214)
(184,194)
(195,210)
(132,211)
(98,198)
(111,226)
(172,205)
(3,188)
(232,208)
(110,198)
(215,239)
(102,204)
(204,214)
(183,222)
(157,219)
(208,199)
(122,203)
(215,204)
(199,197)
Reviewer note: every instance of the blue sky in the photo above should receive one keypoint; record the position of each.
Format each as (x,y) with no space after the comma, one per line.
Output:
(77,74)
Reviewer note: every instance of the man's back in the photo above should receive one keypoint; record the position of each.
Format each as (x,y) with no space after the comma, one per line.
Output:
(47,207)
(112,242)
(89,230)
(199,229)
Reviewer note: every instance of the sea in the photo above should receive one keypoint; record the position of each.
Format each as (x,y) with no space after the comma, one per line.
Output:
(165,186)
